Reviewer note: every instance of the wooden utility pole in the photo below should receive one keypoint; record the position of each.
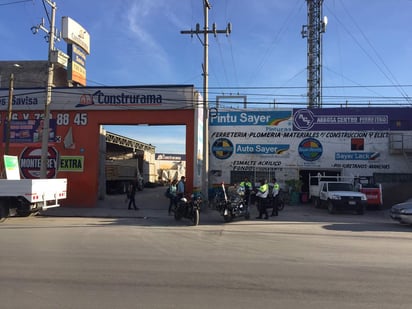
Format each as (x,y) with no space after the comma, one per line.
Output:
(46,123)
(9,111)
(205,43)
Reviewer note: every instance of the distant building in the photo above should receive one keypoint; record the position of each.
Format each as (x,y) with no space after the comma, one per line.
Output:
(170,166)
(31,74)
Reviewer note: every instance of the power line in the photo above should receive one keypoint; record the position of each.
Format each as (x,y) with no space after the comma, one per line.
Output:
(15,2)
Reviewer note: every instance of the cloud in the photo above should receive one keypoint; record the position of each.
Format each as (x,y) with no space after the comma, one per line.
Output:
(139,16)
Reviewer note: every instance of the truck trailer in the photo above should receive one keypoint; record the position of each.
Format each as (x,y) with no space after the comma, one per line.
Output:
(23,197)
(119,173)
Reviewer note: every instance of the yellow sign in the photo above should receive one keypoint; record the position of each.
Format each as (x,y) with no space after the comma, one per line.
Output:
(71,164)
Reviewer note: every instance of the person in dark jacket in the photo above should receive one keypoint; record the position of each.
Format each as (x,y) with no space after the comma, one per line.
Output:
(172,196)
(131,192)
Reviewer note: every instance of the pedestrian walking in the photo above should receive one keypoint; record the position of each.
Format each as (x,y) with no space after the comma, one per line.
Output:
(172,195)
(131,192)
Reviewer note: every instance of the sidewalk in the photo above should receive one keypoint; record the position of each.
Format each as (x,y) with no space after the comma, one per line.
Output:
(153,205)
(149,201)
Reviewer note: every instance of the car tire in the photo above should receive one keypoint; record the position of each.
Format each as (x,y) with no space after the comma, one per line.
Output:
(331,207)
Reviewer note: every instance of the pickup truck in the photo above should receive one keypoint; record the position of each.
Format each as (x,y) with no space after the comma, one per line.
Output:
(337,194)
(23,197)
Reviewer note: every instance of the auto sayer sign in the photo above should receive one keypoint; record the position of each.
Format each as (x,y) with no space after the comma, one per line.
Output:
(353,140)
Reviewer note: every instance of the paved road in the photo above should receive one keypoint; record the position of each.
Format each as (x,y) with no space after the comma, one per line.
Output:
(305,258)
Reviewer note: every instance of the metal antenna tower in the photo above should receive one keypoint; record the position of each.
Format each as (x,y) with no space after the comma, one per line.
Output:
(313,32)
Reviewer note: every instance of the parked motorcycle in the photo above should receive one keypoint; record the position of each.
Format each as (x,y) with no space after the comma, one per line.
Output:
(188,208)
(234,204)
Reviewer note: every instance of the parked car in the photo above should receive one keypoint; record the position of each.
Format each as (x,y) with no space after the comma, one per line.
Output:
(402,212)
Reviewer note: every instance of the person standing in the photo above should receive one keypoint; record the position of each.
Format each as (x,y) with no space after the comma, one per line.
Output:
(172,195)
(275,194)
(246,185)
(181,187)
(262,194)
(131,192)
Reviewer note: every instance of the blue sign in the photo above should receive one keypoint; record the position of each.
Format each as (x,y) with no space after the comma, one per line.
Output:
(272,149)
(260,118)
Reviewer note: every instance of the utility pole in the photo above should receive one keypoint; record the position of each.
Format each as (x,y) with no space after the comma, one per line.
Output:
(313,32)
(9,110)
(46,122)
(205,43)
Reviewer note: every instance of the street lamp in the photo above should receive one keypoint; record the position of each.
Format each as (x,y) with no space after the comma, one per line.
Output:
(46,124)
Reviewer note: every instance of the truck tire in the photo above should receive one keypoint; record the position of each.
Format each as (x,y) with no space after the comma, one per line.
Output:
(316,202)
(360,210)
(4,212)
(23,210)
(331,207)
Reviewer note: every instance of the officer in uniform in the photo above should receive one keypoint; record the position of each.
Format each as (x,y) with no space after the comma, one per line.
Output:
(275,193)
(262,194)
(246,186)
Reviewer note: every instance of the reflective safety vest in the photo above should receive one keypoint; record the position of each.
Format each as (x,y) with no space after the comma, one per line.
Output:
(263,191)
(246,184)
(276,189)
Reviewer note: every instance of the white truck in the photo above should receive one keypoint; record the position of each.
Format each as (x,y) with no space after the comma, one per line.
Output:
(336,193)
(23,197)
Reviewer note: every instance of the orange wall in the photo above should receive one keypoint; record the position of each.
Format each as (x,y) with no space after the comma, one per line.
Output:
(83,186)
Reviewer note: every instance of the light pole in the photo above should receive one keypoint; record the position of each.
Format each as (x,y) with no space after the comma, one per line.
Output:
(9,110)
(46,122)
(206,31)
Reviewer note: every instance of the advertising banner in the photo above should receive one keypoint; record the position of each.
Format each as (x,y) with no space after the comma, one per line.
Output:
(355,141)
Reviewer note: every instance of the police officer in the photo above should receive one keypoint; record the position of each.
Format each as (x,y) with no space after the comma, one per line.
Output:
(262,194)
(275,193)
(246,185)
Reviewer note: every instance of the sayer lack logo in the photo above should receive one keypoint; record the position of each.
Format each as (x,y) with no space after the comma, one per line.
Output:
(30,162)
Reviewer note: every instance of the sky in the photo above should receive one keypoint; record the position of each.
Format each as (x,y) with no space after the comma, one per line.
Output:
(366,59)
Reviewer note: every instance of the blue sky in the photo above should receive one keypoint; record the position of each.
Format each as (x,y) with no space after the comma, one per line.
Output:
(367,49)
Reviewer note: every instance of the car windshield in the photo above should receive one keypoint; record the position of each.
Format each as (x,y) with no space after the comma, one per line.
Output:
(339,186)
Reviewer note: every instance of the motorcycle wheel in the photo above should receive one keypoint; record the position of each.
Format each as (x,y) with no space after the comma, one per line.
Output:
(227,218)
(281,205)
(178,216)
(195,218)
